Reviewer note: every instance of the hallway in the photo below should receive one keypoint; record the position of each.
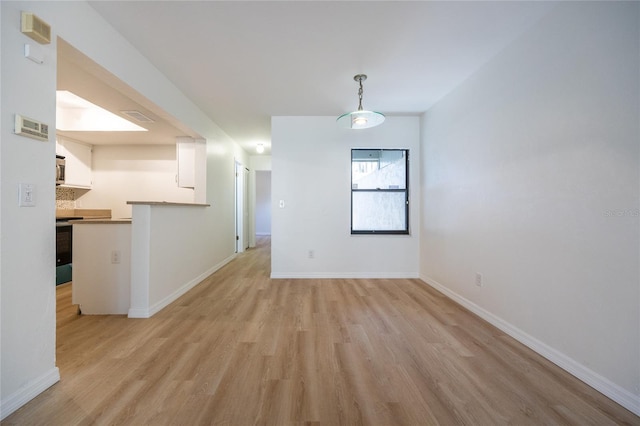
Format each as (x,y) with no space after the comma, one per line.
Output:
(243,349)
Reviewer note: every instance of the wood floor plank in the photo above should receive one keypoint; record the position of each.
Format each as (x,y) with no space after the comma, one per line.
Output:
(241,348)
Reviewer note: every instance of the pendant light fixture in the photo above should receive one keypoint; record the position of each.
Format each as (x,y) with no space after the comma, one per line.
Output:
(360,119)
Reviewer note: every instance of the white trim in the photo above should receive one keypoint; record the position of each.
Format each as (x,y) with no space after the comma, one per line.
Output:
(157,307)
(138,313)
(603,385)
(29,391)
(263,234)
(140,255)
(338,275)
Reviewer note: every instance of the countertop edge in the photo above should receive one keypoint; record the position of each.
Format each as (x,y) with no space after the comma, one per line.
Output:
(100,221)
(166,203)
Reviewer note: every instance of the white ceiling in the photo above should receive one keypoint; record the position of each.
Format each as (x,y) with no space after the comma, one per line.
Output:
(82,76)
(243,62)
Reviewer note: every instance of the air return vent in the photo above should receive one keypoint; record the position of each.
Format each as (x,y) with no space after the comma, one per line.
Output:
(36,28)
(138,116)
(31,128)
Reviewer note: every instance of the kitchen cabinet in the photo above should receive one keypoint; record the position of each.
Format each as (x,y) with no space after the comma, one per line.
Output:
(191,159)
(78,163)
(185,155)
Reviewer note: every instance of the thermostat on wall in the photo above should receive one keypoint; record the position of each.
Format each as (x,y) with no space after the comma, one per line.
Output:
(31,128)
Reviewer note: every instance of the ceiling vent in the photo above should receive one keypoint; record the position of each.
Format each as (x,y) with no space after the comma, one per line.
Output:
(36,28)
(138,116)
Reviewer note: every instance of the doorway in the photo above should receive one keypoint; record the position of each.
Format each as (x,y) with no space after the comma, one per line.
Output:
(263,203)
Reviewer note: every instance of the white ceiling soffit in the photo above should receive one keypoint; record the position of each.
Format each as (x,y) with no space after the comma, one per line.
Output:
(254,60)
(80,75)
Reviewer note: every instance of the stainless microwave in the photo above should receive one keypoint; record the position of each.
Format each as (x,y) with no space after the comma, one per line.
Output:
(60,166)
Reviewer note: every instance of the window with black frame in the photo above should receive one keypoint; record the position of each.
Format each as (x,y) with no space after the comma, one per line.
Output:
(379,191)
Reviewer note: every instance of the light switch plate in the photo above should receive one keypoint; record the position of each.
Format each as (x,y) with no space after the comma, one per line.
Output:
(27,194)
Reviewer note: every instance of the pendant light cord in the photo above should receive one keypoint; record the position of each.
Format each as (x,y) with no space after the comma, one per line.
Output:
(360,119)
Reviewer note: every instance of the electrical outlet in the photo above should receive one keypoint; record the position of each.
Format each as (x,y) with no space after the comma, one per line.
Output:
(478,279)
(115,256)
(312,254)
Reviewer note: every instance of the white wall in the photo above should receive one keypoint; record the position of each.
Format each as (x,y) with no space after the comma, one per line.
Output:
(28,272)
(133,173)
(159,236)
(311,162)
(531,178)
(260,162)
(28,311)
(263,202)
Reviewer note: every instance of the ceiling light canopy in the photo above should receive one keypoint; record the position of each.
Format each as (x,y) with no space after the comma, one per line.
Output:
(360,119)
(260,148)
(74,113)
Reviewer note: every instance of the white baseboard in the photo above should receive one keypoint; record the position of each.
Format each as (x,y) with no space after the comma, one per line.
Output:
(338,275)
(29,391)
(138,313)
(158,306)
(603,385)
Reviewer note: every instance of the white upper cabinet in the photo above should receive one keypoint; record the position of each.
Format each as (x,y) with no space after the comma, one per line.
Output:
(78,163)
(186,155)
(191,155)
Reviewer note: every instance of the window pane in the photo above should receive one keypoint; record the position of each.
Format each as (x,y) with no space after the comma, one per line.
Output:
(360,169)
(378,169)
(380,211)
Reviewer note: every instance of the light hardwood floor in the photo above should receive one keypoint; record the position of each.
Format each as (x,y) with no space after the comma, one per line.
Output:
(65,310)
(242,349)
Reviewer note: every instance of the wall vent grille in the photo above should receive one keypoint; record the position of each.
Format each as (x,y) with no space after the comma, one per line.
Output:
(138,116)
(36,28)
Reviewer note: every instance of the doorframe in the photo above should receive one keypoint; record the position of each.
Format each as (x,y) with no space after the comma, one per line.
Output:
(241,206)
(244,236)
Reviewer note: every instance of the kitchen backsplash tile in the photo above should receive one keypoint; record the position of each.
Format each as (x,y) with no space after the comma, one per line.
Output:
(65,198)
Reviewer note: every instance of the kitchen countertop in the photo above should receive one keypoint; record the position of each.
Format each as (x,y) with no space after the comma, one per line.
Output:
(167,203)
(83,213)
(100,221)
